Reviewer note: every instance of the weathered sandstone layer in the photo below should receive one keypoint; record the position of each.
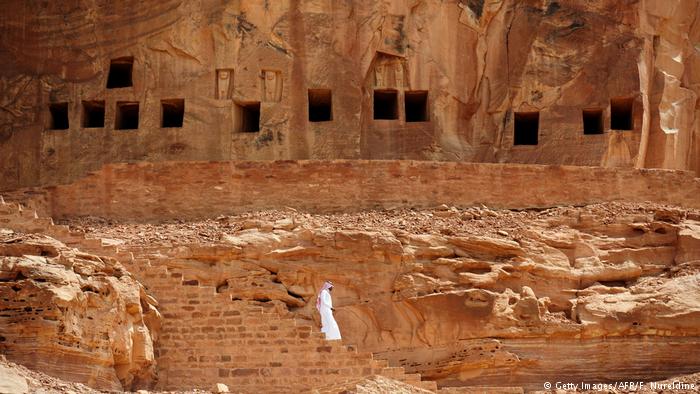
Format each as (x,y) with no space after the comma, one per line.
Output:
(154,192)
(209,337)
(605,82)
(74,315)
(464,297)
(17,379)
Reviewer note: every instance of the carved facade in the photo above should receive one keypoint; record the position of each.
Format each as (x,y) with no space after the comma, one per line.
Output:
(605,83)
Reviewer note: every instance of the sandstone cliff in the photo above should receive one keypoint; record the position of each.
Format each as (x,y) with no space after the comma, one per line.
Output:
(465,297)
(73,315)
(395,79)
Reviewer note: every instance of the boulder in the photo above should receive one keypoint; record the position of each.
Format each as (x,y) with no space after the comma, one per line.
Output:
(75,316)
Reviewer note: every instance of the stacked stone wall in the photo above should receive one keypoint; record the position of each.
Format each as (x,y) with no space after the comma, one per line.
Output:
(190,190)
(207,337)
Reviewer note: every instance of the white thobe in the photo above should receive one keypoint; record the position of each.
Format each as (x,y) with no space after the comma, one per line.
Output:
(328,324)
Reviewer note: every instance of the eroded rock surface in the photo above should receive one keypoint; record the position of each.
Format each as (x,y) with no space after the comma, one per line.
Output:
(452,80)
(467,297)
(74,315)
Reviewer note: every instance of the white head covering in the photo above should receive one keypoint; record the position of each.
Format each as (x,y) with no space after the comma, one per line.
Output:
(326,285)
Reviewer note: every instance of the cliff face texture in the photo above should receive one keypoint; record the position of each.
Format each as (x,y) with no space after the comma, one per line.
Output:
(472,297)
(74,315)
(611,83)
(487,183)
(157,192)
(434,298)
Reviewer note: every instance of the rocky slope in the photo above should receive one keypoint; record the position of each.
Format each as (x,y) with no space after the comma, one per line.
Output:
(466,297)
(17,379)
(74,315)
(192,353)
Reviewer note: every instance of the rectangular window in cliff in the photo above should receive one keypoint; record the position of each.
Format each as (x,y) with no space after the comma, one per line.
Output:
(120,71)
(526,128)
(93,114)
(58,116)
(592,121)
(248,117)
(416,106)
(320,105)
(127,115)
(621,114)
(172,112)
(386,104)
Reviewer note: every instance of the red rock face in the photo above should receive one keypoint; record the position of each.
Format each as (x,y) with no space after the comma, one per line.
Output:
(507,81)
(153,110)
(74,315)
(465,297)
(153,192)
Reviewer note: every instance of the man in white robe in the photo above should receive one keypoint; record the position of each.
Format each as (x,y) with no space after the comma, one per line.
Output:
(324,304)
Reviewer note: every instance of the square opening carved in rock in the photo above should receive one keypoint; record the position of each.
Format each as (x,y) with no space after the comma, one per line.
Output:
(120,73)
(126,115)
(247,118)
(386,104)
(416,106)
(621,113)
(592,121)
(58,116)
(93,114)
(320,105)
(526,128)
(172,112)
